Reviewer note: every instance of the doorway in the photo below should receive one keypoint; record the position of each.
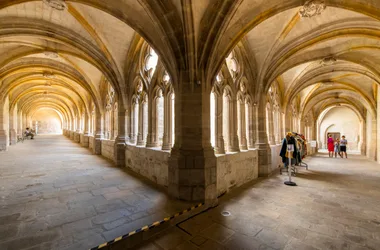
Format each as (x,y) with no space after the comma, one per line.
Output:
(334,135)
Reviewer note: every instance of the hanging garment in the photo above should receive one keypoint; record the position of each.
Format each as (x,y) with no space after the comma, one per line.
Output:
(285,155)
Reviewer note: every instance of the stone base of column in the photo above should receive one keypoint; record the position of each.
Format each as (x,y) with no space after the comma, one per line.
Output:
(97,150)
(151,141)
(72,135)
(166,146)
(13,137)
(219,148)
(4,143)
(77,137)
(265,160)
(84,140)
(192,175)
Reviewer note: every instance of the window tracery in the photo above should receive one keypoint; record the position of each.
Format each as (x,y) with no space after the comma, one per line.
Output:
(230,112)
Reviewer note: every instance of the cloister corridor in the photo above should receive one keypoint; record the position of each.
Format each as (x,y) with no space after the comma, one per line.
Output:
(57,195)
(165,124)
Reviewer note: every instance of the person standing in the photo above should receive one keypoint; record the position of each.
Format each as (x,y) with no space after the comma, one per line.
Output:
(343,147)
(330,146)
(337,147)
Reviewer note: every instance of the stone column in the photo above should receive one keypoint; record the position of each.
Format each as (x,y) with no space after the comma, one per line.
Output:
(192,163)
(141,136)
(116,123)
(151,139)
(128,124)
(281,133)
(272,141)
(85,138)
(166,142)
(242,129)
(251,126)
(78,130)
(3,140)
(24,122)
(234,140)
(133,129)
(262,145)
(19,123)
(219,140)
(120,140)
(13,126)
(98,133)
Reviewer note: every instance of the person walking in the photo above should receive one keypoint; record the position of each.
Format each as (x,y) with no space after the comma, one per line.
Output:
(330,146)
(337,147)
(343,147)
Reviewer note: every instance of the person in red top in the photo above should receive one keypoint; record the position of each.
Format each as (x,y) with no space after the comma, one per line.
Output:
(330,146)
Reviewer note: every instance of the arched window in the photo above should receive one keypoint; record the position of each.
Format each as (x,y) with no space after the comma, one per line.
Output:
(151,60)
(212,119)
(159,101)
(172,127)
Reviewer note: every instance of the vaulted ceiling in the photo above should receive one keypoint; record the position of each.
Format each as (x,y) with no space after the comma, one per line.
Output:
(60,52)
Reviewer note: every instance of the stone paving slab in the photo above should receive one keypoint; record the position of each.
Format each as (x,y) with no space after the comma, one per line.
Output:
(336,205)
(60,196)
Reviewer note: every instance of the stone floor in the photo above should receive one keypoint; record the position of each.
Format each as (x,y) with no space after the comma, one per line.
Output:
(55,194)
(336,205)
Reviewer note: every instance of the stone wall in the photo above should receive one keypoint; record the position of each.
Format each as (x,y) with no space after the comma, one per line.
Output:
(91,142)
(233,170)
(108,149)
(49,122)
(150,163)
(276,159)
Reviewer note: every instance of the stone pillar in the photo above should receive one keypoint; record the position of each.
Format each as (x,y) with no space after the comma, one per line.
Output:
(219,140)
(271,138)
(13,126)
(141,136)
(262,145)
(119,146)
(86,132)
(192,163)
(241,126)
(19,123)
(78,130)
(281,132)
(24,122)
(133,129)
(151,139)
(233,137)
(98,134)
(3,140)
(166,140)
(251,127)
